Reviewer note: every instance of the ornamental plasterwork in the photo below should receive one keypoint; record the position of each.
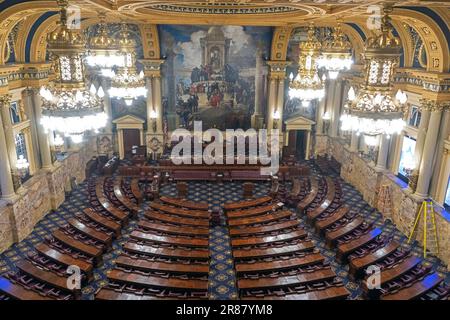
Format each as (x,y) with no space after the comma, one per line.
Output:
(431,105)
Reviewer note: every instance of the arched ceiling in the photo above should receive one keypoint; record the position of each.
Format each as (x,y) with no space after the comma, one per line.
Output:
(429,18)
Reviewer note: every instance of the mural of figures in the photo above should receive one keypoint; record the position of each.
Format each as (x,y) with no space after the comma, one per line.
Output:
(210,73)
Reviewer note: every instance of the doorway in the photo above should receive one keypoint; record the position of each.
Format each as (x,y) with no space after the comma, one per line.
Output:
(296,144)
(131,138)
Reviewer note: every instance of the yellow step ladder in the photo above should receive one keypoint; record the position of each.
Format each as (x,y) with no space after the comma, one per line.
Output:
(427,211)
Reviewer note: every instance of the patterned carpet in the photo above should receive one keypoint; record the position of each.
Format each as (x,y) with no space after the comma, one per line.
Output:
(222,276)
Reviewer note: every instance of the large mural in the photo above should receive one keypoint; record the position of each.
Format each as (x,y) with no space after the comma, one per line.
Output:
(209,74)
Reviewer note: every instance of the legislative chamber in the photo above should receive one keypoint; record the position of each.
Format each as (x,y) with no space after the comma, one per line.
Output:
(224,150)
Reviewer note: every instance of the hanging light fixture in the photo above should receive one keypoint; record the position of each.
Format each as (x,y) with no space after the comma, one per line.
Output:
(68,107)
(307,85)
(336,54)
(127,84)
(103,51)
(374,110)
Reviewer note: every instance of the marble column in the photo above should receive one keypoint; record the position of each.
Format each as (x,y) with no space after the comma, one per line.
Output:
(107,106)
(44,145)
(257,116)
(157,103)
(336,106)
(383,153)
(6,182)
(329,104)
(421,136)
(149,102)
(354,142)
(9,132)
(28,97)
(271,102)
(308,145)
(426,164)
(319,120)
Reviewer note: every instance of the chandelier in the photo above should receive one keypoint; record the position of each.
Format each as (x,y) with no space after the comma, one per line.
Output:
(336,54)
(307,85)
(127,84)
(374,109)
(68,107)
(103,52)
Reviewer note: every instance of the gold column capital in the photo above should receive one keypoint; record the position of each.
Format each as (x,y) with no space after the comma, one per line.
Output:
(5,100)
(434,106)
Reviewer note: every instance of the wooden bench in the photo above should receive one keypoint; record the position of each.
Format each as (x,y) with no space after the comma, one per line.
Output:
(177,268)
(283,281)
(308,200)
(332,293)
(261,219)
(284,237)
(108,206)
(17,292)
(183,203)
(345,249)
(417,289)
(64,259)
(253,211)
(104,221)
(194,254)
(91,232)
(176,230)
(196,214)
(337,215)
(88,250)
(109,294)
(175,241)
(136,190)
(246,204)
(332,236)
(235,232)
(123,199)
(176,220)
(358,265)
(391,274)
(296,188)
(47,277)
(136,279)
(326,202)
(313,258)
(275,251)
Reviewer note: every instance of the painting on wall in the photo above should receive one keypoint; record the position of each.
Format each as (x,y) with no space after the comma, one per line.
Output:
(209,74)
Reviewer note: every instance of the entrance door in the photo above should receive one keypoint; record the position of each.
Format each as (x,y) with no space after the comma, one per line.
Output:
(131,138)
(300,144)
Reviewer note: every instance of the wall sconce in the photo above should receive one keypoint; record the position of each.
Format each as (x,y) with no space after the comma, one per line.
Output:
(276,118)
(153,118)
(326,117)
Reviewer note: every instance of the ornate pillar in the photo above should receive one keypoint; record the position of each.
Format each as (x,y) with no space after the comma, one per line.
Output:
(426,164)
(105,143)
(44,145)
(308,145)
(354,142)
(319,118)
(383,153)
(155,113)
(258,117)
(333,105)
(277,75)
(5,102)
(6,181)
(28,96)
(421,136)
